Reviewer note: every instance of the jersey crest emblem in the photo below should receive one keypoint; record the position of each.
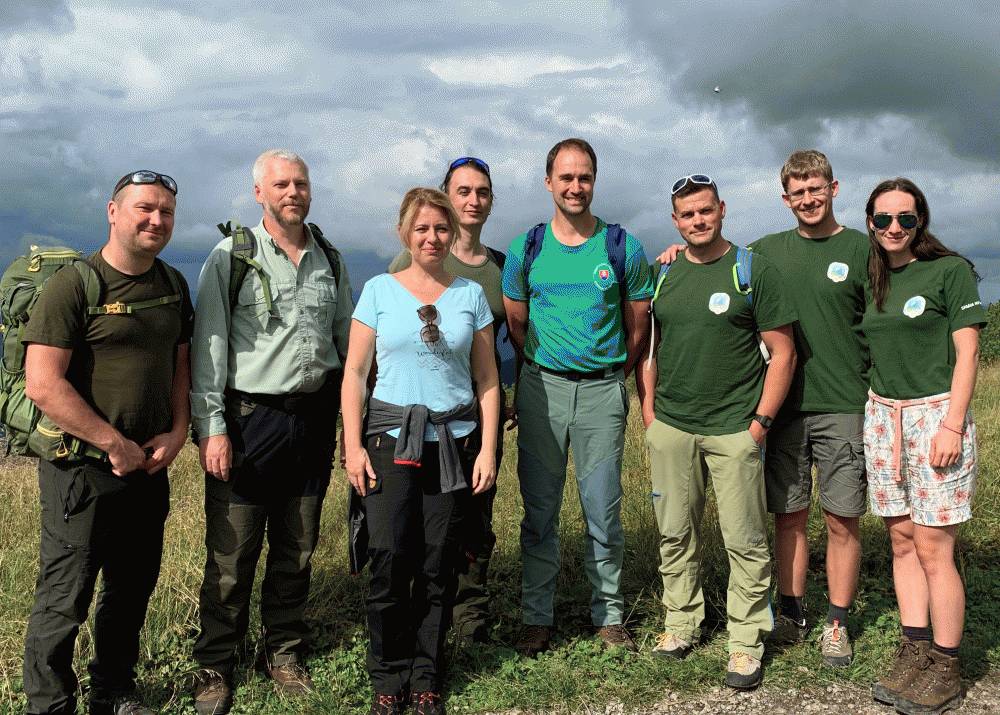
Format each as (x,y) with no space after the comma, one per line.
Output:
(837,272)
(915,306)
(718,303)
(604,276)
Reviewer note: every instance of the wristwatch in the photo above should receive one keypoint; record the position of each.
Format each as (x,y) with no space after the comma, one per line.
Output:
(764,421)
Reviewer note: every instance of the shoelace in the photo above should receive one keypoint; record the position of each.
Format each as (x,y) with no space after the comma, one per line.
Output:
(741,661)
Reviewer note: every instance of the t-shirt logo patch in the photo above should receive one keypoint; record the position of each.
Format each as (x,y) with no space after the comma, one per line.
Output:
(837,272)
(604,276)
(915,306)
(718,303)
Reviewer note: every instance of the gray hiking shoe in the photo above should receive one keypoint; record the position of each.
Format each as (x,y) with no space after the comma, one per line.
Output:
(836,645)
(787,630)
(670,646)
(744,672)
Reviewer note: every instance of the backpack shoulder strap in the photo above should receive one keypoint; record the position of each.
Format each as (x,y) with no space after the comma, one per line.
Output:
(241,261)
(92,285)
(532,247)
(742,273)
(496,256)
(615,245)
(329,250)
(660,278)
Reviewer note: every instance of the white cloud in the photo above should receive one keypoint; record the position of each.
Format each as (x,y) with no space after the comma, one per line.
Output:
(510,69)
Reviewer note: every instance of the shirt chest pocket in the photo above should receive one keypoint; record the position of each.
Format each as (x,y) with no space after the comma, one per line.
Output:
(251,302)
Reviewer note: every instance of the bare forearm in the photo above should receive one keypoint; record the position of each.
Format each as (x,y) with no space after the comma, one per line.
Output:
(352,398)
(62,404)
(645,382)
(489,410)
(777,380)
(963,383)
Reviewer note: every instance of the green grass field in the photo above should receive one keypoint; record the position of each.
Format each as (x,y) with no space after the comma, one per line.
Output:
(577,672)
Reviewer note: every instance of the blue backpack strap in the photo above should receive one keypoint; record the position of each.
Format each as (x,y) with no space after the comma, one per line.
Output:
(615,246)
(532,247)
(661,276)
(741,273)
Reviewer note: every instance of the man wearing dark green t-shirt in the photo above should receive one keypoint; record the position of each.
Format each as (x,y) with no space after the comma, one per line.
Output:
(117,380)
(824,267)
(708,399)
(580,328)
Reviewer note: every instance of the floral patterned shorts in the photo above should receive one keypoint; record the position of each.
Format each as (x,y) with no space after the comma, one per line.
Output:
(898,437)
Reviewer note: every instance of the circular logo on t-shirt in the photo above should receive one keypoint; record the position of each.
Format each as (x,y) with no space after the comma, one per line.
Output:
(914,306)
(718,303)
(837,272)
(604,276)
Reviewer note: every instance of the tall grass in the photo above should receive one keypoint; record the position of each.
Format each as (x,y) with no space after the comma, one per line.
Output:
(494,677)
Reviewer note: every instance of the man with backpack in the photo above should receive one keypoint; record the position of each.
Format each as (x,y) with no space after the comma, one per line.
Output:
(274,313)
(708,399)
(576,294)
(107,364)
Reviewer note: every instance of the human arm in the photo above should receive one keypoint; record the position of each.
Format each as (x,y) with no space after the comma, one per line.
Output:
(946,444)
(360,352)
(165,447)
(517,323)
(670,254)
(487,381)
(780,345)
(645,382)
(46,385)
(635,318)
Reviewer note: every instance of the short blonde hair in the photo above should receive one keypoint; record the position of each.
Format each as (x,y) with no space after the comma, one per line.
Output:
(415,200)
(803,163)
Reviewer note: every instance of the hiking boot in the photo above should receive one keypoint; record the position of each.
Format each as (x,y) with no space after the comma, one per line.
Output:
(743,672)
(905,668)
(120,705)
(836,645)
(936,687)
(670,646)
(787,630)
(291,679)
(383,704)
(617,636)
(533,640)
(426,702)
(212,693)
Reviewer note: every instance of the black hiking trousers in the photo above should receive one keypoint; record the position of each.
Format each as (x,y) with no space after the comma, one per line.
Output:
(92,522)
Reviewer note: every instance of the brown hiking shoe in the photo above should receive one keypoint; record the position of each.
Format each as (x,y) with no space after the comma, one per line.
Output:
(937,686)
(212,693)
(617,636)
(909,656)
(533,640)
(787,630)
(291,679)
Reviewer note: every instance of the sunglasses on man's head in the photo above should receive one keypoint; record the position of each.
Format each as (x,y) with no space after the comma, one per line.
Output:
(145,176)
(699,179)
(907,221)
(462,161)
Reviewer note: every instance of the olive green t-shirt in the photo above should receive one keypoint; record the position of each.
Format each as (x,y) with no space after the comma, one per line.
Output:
(122,365)
(710,371)
(912,351)
(824,279)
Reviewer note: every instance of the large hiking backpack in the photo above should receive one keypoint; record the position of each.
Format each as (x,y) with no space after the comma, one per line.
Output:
(26,429)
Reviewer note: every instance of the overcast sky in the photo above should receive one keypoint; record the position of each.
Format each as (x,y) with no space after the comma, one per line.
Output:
(380,97)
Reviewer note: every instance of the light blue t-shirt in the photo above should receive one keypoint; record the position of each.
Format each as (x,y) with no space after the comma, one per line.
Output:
(414,369)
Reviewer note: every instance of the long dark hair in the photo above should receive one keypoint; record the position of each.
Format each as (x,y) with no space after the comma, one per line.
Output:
(925,245)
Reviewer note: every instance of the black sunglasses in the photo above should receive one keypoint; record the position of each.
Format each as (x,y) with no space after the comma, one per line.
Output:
(145,176)
(430,332)
(699,179)
(907,221)
(462,161)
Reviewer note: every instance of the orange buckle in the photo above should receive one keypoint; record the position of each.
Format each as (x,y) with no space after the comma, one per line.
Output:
(118,308)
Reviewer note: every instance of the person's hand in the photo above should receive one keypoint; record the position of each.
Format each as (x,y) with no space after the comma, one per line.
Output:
(510,417)
(946,448)
(125,456)
(484,472)
(163,449)
(758,432)
(670,255)
(647,416)
(216,455)
(359,470)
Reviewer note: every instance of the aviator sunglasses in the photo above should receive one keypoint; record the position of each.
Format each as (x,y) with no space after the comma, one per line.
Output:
(907,221)
(699,179)
(462,161)
(145,176)
(430,332)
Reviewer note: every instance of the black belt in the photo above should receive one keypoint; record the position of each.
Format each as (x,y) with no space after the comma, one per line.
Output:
(577,376)
(294,403)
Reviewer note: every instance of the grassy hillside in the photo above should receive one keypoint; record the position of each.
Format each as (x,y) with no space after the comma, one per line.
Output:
(494,677)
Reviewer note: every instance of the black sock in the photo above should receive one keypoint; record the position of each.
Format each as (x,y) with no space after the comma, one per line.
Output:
(917,633)
(791,606)
(837,613)
(950,652)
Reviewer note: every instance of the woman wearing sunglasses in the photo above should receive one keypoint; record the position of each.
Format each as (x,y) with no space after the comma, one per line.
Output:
(426,442)
(922,322)
(470,190)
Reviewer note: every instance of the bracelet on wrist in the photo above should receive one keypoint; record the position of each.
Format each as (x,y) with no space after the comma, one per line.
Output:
(952,429)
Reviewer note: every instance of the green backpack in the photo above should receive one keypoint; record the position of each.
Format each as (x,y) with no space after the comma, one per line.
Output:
(27,430)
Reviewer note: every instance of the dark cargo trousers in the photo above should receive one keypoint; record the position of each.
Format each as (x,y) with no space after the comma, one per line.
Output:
(92,522)
(282,459)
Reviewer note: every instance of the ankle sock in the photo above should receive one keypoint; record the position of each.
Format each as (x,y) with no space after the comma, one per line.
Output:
(950,652)
(791,606)
(837,613)
(917,633)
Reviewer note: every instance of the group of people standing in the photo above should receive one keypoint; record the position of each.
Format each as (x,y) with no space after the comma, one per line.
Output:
(845,354)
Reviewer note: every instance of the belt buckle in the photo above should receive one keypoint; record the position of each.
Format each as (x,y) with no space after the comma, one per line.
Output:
(118,308)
